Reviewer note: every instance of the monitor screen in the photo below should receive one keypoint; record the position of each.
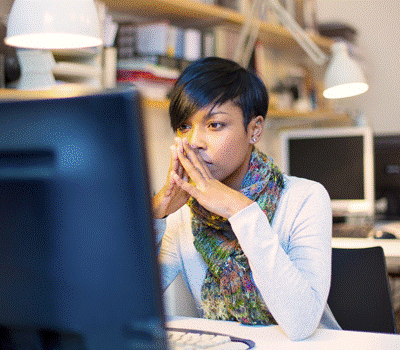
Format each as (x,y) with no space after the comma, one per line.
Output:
(78,267)
(341,159)
(387,174)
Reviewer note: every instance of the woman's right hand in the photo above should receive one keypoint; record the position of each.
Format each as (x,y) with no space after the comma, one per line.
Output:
(171,197)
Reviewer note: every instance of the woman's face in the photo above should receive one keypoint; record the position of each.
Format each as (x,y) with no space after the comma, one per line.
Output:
(218,136)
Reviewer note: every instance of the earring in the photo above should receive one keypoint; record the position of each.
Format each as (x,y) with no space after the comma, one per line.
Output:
(254,139)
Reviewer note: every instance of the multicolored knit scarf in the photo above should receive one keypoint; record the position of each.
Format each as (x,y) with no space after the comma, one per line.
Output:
(228,292)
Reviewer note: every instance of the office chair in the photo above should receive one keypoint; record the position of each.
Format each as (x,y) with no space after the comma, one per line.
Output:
(360,296)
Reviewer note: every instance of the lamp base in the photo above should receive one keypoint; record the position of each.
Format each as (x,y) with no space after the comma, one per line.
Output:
(36,69)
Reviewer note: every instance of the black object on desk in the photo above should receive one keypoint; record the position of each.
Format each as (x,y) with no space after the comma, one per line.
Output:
(360,296)
(385,235)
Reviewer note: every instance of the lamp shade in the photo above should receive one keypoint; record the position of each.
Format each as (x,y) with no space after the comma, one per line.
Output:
(344,77)
(53,24)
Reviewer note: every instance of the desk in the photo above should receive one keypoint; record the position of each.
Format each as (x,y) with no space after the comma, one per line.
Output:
(391,248)
(272,337)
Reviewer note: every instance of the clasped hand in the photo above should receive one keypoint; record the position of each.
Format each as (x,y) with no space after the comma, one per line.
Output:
(189,176)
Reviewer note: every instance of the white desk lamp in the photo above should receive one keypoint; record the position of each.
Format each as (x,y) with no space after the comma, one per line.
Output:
(53,24)
(37,26)
(343,77)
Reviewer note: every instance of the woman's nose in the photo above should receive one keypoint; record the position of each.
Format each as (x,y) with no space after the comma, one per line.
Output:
(196,138)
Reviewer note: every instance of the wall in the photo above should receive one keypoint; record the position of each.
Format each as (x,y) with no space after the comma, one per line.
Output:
(378,26)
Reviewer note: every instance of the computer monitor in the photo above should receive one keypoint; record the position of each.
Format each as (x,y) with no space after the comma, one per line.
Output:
(341,159)
(78,267)
(387,175)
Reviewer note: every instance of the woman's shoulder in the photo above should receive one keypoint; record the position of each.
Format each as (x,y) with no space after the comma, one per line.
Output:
(304,187)
(304,203)
(299,193)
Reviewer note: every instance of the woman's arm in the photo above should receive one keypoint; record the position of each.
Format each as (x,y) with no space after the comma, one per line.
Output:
(167,246)
(294,280)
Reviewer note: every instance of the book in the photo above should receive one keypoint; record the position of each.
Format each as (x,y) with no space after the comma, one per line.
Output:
(192,44)
(225,41)
(125,41)
(163,61)
(208,43)
(154,38)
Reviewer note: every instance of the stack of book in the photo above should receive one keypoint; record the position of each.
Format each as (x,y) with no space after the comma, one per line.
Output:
(152,55)
(151,79)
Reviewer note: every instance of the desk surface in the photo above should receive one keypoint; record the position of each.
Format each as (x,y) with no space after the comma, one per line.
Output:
(272,337)
(391,248)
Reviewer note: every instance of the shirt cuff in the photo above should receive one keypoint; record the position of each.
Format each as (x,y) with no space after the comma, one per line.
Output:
(159,228)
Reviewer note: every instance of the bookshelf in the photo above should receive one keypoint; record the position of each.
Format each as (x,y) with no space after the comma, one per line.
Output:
(187,13)
(197,14)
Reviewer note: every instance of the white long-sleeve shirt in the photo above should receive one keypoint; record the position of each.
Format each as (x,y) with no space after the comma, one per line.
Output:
(290,260)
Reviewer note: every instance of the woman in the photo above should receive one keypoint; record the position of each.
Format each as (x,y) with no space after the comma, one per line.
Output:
(253,244)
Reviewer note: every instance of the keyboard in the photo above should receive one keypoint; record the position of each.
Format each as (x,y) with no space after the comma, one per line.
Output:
(188,339)
(344,230)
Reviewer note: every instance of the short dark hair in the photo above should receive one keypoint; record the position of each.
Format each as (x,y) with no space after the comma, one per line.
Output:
(214,80)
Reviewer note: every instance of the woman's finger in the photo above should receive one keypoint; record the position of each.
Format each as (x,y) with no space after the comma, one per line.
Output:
(186,186)
(196,159)
(191,161)
(175,163)
(196,174)
(174,158)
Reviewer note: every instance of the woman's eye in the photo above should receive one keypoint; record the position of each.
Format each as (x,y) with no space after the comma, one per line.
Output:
(183,128)
(216,125)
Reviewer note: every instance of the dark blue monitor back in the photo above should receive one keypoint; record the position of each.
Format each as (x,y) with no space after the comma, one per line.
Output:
(78,266)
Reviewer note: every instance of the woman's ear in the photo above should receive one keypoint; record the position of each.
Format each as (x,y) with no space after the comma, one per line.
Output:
(255,128)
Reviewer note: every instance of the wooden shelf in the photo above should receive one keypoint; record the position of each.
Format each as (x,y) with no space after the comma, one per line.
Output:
(59,91)
(157,104)
(185,11)
(198,14)
(318,115)
(75,90)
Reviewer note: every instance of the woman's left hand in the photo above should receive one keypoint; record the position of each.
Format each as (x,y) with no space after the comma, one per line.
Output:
(208,191)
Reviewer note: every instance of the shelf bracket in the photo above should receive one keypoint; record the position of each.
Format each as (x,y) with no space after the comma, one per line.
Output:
(249,33)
